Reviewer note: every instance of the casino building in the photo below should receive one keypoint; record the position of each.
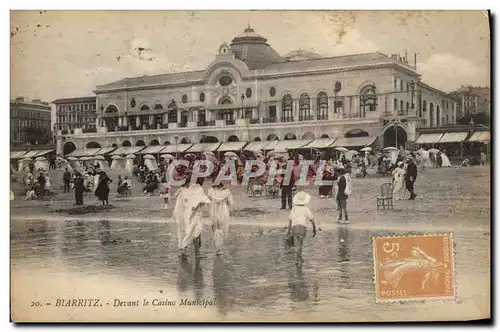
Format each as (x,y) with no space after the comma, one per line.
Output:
(254,97)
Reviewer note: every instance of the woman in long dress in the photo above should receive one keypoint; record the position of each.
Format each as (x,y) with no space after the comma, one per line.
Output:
(398,181)
(445,160)
(102,191)
(188,216)
(79,187)
(222,200)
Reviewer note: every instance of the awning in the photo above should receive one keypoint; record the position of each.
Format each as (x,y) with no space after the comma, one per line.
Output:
(44,152)
(320,143)
(261,145)
(347,142)
(453,137)
(84,152)
(124,150)
(292,144)
(480,136)
(32,153)
(428,138)
(231,146)
(106,150)
(155,149)
(200,147)
(17,154)
(173,148)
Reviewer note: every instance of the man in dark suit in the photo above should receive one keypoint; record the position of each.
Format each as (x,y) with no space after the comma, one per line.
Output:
(286,188)
(411,177)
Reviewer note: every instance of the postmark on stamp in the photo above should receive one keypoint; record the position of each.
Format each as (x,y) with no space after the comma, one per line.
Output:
(414,267)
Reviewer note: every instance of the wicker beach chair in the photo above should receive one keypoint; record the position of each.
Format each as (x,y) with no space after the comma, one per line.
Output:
(385,199)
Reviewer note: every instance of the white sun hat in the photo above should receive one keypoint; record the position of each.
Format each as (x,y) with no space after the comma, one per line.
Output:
(301,198)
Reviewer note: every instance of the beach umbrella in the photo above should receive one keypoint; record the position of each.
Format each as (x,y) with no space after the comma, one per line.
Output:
(167,156)
(209,153)
(99,158)
(390,148)
(41,158)
(116,157)
(341,148)
(60,159)
(149,156)
(130,156)
(190,156)
(366,148)
(433,150)
(85,158)
(230,154)
(353,152)
(72,158)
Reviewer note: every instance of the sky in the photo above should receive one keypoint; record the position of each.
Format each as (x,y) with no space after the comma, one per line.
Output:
(63,54)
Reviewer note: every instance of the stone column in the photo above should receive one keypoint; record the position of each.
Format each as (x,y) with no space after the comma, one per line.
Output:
(279,110)
(150,120)
(178,115)
(120,121)
(138,123)
(125,121)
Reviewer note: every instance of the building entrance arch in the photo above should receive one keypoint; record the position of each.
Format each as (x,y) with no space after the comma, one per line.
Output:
(395,134)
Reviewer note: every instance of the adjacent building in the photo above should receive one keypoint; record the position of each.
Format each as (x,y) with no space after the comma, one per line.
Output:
(30,121)
(472,100)
(74,113)
(250,93)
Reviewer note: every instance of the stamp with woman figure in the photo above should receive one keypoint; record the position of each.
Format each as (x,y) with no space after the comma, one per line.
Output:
(414,267)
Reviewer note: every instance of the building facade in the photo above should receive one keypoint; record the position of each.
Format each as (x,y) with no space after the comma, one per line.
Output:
(251,93)
(74,113)
(472,100)
(29,121)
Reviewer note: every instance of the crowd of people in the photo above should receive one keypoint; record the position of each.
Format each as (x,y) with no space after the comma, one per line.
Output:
(190,197)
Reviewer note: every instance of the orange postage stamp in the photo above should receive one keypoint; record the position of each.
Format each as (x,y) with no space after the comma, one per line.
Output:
(414,267)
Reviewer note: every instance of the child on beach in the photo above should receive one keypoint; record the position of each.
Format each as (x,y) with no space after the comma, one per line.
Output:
(298,219)
(164,190)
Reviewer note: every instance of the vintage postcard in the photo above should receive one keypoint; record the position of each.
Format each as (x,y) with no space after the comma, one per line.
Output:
(250,166)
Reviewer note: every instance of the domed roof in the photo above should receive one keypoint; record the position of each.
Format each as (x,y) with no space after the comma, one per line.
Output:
(300,54)
(253,49)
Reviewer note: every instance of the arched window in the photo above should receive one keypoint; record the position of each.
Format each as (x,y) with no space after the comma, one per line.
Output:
(144,108)
(322,106)
(111,109)
(304,107)
(287,108)
(438,116)
(368,100)
(431,115)
(158,107)
(424,108)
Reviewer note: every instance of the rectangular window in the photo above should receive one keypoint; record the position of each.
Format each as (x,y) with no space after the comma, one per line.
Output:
(272,112)
(338,106)
(395,83)
(407,87)
(401,85)
(401,105)
(395,104)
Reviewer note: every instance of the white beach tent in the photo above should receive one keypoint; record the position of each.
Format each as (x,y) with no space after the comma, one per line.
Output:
(23,163)
(150,162)
(129,162)
(103,164)
(41,163)
(117,162)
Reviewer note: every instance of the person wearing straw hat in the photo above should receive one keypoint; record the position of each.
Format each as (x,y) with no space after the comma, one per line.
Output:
(398,178)
(298,219)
